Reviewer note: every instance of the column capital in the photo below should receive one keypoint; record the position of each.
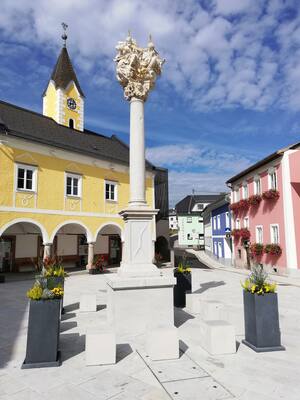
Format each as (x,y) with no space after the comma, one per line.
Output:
(47,244)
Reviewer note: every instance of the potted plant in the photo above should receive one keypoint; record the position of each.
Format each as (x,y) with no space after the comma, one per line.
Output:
(255,200)
(43,326)
(244,204)
(184,283)
(256,249)
(273,249)
(234,207)
(271,194)
(53,274)
(236,233)
(99,265)
(261,316)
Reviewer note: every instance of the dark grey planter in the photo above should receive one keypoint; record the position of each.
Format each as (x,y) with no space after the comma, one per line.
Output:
(57,281)
(183,285)
(261,317)
(43,334)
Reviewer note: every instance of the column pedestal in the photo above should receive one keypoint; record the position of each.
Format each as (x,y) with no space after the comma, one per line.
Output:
(47,250)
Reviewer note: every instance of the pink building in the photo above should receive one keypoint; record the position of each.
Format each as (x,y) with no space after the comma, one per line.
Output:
(265,205)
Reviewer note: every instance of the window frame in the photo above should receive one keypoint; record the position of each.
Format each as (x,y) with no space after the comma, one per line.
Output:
(215,222)
(257,227)
(115,184)
(236,194)
(237,224)
(245,190)
(246,222)
(26,168)
(218,222)
(73,175)
(227,220)
(256,181)
(271,234)
(272,172)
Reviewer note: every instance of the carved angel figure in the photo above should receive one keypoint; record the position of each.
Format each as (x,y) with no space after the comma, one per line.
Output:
(137,68)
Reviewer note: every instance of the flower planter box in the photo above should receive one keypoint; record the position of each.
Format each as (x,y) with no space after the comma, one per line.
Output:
(262,331)
(43,334)
(183,285)
(56,281)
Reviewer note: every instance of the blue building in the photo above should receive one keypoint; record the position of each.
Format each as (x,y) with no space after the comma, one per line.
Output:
(220,228)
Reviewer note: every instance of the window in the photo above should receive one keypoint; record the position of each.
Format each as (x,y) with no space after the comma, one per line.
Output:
(26,178)
(111,191)
(246,222)
(274,233)
(237,224)
(71,123)
(189,219)
(218,222)
(227,222)
(237,194)
(215,222)
(73,185)
(257,185)
(272,179)
(189,236)
(259,234)
(245,190)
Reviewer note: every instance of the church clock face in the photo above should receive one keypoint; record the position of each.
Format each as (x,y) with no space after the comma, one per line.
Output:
(71,103)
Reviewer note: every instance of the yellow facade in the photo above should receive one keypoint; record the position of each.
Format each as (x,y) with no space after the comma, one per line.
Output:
(49,205)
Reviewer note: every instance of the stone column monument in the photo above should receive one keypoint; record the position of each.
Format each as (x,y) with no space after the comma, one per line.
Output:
(139,296)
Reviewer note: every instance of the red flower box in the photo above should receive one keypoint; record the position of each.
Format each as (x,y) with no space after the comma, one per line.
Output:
(234,207)
(245,234)
(236,233)
(244,204)
(255,200)
(271,194)
(256,249)
(273,249)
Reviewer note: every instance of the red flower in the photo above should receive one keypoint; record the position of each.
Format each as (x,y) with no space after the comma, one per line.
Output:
(244,204)
(271,194)
(255,200)
(273,249)
(245,234)
(256,249)
(236,232)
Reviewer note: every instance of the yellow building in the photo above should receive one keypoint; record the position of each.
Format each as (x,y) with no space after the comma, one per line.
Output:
(62,186)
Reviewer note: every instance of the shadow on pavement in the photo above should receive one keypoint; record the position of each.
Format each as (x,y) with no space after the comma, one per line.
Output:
(209,285)
(181,316)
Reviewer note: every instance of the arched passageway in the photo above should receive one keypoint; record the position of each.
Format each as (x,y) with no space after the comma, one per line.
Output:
(21,246)
(162,252)
(69,243)
(108,244)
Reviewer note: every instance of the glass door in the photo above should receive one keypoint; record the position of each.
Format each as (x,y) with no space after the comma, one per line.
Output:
(114,250)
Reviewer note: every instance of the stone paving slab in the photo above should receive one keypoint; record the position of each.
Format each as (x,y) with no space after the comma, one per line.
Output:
(244,375)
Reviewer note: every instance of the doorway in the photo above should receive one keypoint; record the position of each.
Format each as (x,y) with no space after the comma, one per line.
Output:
(115,249)
(7,254)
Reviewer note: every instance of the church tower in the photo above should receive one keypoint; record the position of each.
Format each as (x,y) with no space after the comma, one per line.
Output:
(63,99)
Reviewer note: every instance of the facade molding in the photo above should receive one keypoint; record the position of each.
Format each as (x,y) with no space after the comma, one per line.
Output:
(27,220)
(288,213)
(89,235)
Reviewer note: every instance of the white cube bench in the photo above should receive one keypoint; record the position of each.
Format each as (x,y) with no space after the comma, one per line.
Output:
(193,303)
(210,310)
(100,346)
(218,337)
(162,343)
(88,302)
(235,316)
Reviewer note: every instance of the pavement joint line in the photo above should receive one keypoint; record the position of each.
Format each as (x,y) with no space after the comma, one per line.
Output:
(154,375)
(210,375)
(188,379)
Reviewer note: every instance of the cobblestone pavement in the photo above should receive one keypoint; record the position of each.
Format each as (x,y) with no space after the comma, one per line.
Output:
(195,375)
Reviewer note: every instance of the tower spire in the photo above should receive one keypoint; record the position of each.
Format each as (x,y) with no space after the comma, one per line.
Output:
(64,35)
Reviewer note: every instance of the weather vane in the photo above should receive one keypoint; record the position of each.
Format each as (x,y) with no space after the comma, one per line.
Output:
(64,36)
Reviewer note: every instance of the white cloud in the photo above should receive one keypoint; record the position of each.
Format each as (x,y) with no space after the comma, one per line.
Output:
(233,53)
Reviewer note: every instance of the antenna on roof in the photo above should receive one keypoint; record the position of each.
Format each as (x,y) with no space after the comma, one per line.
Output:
(64,36)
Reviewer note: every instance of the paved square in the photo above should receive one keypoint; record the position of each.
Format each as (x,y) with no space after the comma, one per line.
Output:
(195,375)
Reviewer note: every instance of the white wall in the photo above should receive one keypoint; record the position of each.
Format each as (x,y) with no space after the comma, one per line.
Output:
(26,246)
(101,245)
(67,245)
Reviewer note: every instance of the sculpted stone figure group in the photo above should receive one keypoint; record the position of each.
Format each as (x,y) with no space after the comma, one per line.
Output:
(137,68)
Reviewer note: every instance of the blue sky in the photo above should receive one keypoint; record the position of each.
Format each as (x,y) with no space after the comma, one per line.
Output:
(229,93)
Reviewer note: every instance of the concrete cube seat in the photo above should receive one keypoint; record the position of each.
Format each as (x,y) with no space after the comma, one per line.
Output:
(100,346)
(218,337)
(193,303)
(88,302)
(235,316)
(210,310)
(162,343)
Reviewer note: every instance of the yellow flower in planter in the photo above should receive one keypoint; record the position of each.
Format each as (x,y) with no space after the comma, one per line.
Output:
(58,292)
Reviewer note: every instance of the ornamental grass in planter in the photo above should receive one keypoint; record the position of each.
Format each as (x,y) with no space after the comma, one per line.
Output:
(261,316)
(184,283)
(43,326)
